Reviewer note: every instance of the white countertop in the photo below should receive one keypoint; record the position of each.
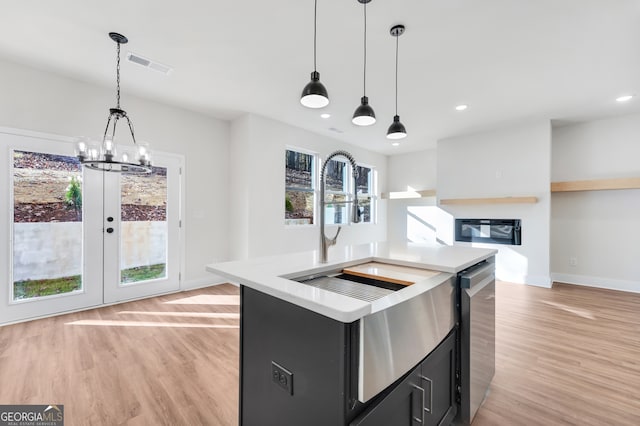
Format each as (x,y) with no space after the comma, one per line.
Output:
(270,274)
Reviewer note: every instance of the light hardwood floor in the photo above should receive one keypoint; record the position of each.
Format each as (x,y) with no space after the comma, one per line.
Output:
(566,356)
(169,360)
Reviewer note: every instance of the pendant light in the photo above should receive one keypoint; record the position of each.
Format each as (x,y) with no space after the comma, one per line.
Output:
(364,115)
(314,94)
(396,130)
(104,157)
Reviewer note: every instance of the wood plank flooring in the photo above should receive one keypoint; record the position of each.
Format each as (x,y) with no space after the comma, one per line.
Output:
(566,356)
(169,360)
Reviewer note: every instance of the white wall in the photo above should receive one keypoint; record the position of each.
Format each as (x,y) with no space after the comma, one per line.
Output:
(600,229)
(257,204)
(416,219)
(512,161)
(41,101)
(413,171)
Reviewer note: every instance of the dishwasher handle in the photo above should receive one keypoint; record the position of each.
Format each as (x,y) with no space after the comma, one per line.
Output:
(476,275)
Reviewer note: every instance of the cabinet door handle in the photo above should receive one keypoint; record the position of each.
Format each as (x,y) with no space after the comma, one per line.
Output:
(422,409)
(428,410)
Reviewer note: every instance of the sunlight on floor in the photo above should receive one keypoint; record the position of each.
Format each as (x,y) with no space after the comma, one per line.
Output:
(112,323)
(185,314)
(578,312)
(207,299)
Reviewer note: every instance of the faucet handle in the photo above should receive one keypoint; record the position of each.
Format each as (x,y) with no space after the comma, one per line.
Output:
(333,240)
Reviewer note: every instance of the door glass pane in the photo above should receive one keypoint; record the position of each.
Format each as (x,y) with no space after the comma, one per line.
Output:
(144,229)
(47,225)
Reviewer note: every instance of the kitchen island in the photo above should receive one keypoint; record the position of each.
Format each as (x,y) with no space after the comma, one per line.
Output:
(310,355)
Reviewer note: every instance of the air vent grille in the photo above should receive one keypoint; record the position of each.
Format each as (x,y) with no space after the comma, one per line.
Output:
(148,63)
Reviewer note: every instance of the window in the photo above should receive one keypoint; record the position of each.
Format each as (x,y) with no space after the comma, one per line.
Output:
(300,186)
(47,225)
(366,194)
(144,227)
(336,192)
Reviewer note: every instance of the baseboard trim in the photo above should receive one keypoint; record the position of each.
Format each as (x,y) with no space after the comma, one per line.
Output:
(208,281)
(534,280)
(598,282)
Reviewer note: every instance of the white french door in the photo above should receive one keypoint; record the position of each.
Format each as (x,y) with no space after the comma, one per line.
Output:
(142,231)
(73,238)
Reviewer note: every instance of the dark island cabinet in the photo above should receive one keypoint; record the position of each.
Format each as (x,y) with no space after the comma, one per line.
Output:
(426,396)
(298,368)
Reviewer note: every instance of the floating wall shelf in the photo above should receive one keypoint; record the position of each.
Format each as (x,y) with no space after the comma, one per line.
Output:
(399,195)
(596,184)
(497,200)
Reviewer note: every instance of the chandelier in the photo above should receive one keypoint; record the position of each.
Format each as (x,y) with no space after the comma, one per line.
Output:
(104,157)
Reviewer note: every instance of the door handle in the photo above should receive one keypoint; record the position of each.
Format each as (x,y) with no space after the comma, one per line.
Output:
(422,409)
(110,219)
(110,230)
(428,410)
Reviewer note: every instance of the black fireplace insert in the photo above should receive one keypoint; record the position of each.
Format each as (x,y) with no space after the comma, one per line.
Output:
(494,231)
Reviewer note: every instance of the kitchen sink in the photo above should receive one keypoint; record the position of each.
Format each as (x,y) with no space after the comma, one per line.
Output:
(393,339)
(368,281)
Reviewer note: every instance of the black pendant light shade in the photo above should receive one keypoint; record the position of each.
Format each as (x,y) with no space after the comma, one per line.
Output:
(314,94)
(364,115)
(397,129)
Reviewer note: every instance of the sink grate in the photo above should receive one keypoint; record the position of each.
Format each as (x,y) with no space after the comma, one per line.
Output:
(359,291)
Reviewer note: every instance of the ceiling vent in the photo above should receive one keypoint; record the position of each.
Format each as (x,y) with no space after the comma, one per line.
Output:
(148,63)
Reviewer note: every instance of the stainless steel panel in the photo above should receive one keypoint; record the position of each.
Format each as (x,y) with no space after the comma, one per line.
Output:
(477,339)
(477,275)
(394,340)
(482,345)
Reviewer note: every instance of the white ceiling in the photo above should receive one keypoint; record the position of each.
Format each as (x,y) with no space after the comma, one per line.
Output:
(509,60)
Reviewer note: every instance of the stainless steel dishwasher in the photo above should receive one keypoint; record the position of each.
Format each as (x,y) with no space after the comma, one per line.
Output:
(477,337)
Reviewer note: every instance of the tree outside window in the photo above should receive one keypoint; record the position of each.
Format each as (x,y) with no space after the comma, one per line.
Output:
(299,188)
(366,193)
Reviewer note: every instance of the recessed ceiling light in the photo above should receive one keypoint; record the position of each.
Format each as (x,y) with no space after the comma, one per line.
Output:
(395,143)
(461,107)
(624,98)
(325,115)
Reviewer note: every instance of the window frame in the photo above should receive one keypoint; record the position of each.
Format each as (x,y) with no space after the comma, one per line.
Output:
(313,190)
(372,194)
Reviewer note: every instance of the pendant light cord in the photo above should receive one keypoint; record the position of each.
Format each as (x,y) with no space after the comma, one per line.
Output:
(118,77)
(315,20)
(364,86)
(397,37)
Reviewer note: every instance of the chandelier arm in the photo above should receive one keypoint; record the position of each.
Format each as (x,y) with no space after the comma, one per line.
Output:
(133,136)
(115,123)
(106,129)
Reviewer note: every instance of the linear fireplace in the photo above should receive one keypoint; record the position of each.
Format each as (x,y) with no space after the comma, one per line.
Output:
(495,231)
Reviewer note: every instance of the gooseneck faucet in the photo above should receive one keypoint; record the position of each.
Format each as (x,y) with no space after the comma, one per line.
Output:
(325,242)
